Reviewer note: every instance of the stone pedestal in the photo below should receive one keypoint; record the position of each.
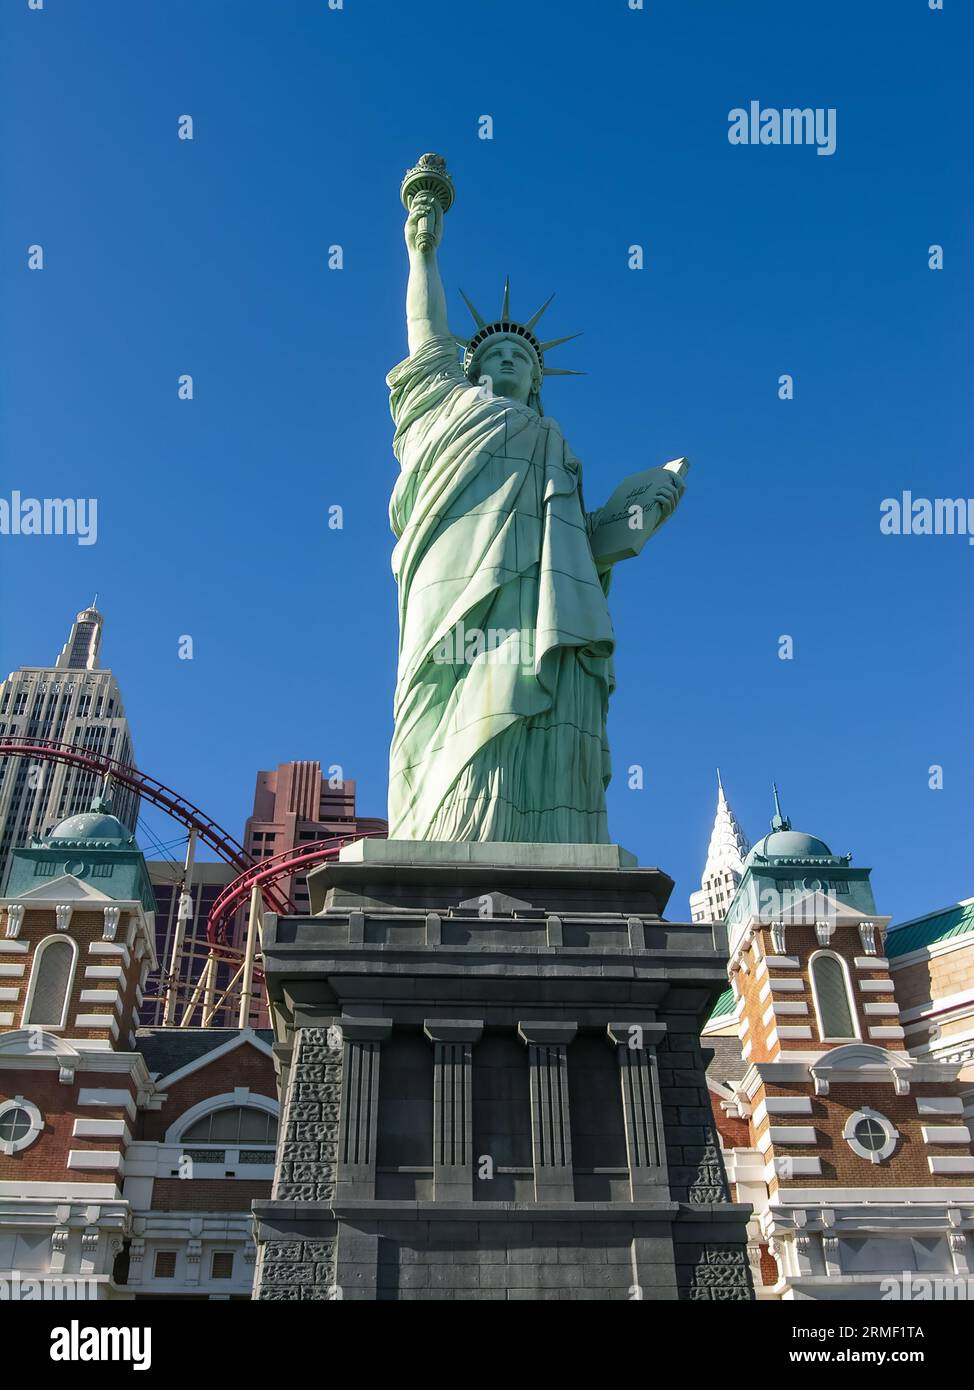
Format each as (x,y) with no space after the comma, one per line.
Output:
(493,1084)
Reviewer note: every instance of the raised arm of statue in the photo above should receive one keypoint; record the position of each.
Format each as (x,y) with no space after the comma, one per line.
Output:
(425,297)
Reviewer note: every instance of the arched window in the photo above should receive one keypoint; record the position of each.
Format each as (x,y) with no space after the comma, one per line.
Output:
(228,1141)
(238,1124)
(833,999)
(50,983)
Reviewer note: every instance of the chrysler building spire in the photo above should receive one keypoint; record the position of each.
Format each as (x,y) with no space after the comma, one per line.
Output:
(725,864)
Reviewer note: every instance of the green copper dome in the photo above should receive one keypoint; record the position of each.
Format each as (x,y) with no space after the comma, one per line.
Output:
(91,828)
(789,844)
(785,843)
(96,828)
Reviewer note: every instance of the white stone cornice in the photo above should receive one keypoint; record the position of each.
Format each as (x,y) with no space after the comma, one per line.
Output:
(888,1068)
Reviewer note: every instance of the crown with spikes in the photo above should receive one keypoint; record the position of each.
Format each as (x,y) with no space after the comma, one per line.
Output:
(511,328)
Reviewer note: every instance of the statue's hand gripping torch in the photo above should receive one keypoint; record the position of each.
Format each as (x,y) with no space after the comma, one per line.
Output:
(428,176)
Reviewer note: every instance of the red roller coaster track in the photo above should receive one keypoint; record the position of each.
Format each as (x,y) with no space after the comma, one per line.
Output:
(272,871)
(218,839)
(266,873)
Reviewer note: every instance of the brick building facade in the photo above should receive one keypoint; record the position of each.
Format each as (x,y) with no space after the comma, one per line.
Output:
(853,1147)
(129,1158)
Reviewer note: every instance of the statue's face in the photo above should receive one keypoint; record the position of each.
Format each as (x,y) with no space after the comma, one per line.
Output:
(510,364)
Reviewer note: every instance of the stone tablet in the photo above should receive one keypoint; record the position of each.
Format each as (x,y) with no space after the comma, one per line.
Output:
(624,525)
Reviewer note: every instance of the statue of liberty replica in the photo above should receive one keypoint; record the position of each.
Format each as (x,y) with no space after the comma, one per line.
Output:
(505,649)
(481,1018)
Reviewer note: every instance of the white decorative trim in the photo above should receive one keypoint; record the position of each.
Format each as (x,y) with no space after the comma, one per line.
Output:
(112,915)
(13,1146)
(788,986)
(108,1021)
(891,1031)
(15,920)
(111,997)
(786,1105)
(111,948)
(105,972)
(14,947)
(871,963)
(864,1062)
(785,1167)
(62,915)
(940,1105)
(867,935)
(872,1008)
(9,994)
(951,1165)
(60,1192)
(930,1202)
(793,1134)
(824,931)
(876,986)
(12,972)
(945,1134)
(103,1095)
(241,1096)
(794,1030)
(96,1160)
(792,1007)
(783,962)
(101,1129)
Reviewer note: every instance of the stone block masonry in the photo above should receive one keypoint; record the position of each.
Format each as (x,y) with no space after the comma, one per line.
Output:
(474,1110)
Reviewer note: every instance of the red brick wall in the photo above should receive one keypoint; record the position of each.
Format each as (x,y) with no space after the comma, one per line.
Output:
(841,1167)
(46,1160)
(207,1194)
(801,941)
(86,926)
(734,1131)
(769,1267)
(243,1066)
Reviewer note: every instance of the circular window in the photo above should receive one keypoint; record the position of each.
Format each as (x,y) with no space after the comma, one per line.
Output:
(14,1125)
(75,867)
(812,885)
(20,1124)
(870,1135)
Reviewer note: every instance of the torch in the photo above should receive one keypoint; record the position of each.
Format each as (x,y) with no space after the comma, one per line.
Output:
(429,175)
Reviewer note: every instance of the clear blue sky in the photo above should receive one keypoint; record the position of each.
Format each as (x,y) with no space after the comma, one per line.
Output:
(610,128)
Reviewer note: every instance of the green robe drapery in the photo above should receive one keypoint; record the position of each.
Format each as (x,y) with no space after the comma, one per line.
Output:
(507,742)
